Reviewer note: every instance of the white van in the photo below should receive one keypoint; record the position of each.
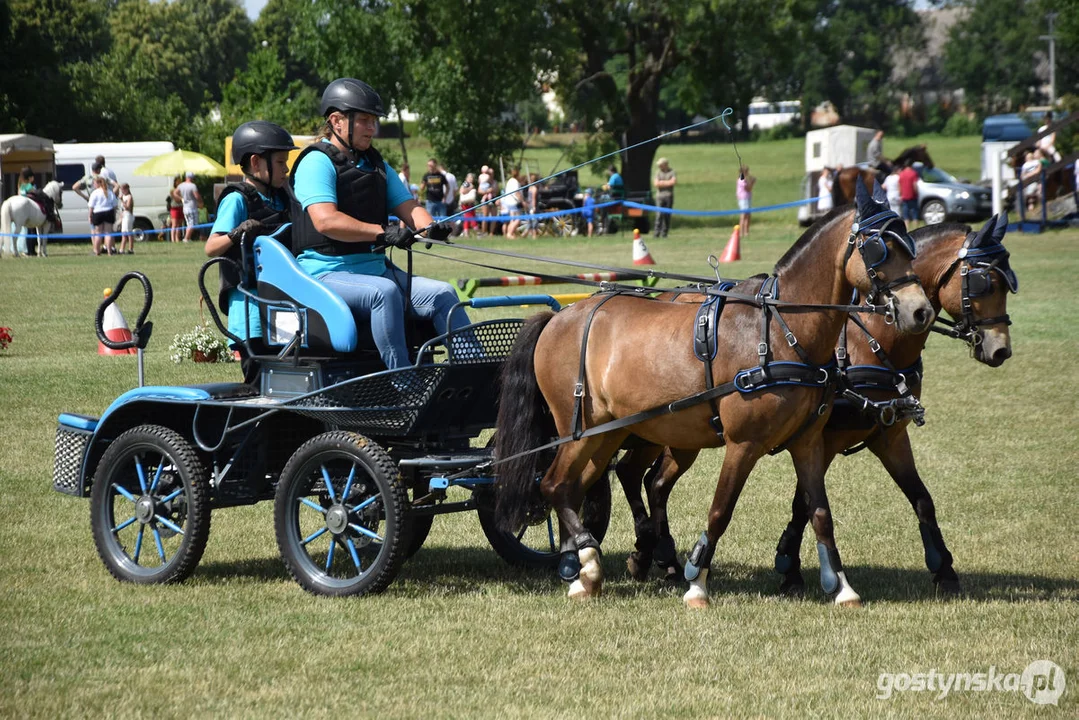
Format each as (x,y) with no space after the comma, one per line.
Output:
(73,161)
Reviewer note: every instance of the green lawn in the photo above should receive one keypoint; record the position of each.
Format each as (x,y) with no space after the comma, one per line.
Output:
(460,634)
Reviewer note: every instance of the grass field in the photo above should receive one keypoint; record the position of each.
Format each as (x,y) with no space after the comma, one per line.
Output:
(460,634)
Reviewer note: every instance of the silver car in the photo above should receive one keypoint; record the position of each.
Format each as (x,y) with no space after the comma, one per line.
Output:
(942,197)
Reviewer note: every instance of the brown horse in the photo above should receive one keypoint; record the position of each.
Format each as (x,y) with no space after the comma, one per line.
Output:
(614,356)
(843,189)
(957,271)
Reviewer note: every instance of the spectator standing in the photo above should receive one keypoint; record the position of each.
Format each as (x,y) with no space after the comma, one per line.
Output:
(908,194)
(1031,170)
(176,210)
(467,200)
(451,190)
(127,220)
(744,193)
(824,191)
(533,205)
(102,203)
(588,210)
(511,202)
(664,183)
(1048,144)
(189,194)
(86,185)
(105,170)
(435,186)
(405,176)
(615,187)
(486,190)
(891,187)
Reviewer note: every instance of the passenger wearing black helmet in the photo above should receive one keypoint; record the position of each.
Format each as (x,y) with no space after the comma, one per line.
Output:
(257,206)
(344,193)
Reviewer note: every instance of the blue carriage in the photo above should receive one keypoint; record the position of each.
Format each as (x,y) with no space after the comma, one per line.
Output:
(356,458)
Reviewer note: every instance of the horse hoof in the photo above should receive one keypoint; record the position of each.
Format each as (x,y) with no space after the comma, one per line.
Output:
(847,597)
(855,602)
(697,603)
(949,589)
(638,569)
(581,589)
(793,586)
(674,574)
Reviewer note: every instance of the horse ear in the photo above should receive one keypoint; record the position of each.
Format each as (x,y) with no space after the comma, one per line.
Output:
(862,198)
(878,194)
(1001,229)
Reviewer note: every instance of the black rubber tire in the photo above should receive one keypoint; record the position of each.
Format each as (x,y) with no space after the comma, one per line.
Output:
(178,468)
(376,482)
(596,516)
(419,529)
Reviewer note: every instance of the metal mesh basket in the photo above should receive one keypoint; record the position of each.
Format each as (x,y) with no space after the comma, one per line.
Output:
(383,403)
(71,447)
(484,342)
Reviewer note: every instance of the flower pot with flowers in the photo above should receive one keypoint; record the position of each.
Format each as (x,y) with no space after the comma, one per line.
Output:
(200,345)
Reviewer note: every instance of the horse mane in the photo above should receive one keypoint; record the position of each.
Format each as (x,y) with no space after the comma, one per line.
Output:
(932,233)
(809,236)
(918,152)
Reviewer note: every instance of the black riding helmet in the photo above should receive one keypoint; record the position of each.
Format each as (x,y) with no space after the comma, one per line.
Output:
(349,95)
(260,137)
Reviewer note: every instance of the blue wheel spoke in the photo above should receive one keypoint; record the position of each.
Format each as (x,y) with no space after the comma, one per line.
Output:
(522,533)
(169,524)
(138,544)
(364,531)
(329,555)
(355,555)
(157,475)
(124,524)
(550,532)
(317,534)
(124,492)
(313,506)
(171,496)
(348,483)
(160,547)
(364,504)
(142,474)
(329,483)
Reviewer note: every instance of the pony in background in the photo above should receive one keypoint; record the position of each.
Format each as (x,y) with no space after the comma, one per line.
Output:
(23,212)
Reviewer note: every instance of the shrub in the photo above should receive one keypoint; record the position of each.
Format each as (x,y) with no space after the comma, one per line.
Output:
(961,124)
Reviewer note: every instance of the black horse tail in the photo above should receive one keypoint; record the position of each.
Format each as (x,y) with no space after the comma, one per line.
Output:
(524,423)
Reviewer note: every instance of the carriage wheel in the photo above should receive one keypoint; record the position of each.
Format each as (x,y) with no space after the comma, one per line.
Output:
(536,544)
(339,515)
(150,506)
(562,226)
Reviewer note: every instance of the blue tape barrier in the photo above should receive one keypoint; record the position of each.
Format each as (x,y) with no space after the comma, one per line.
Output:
(80,236)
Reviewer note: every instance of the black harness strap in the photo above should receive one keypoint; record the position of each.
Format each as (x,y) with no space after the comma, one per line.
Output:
(582,379)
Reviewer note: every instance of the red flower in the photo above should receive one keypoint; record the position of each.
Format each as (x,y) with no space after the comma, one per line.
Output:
(5,337)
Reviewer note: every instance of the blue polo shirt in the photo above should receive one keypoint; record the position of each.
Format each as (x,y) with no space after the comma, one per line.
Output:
(230,213)
(617,186)
(316,182)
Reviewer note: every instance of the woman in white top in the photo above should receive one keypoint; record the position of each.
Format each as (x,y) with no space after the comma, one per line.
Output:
(824,191)
(127,220)
(891,187)
(102,203)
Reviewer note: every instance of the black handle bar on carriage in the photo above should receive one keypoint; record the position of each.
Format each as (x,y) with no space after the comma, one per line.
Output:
(140,334)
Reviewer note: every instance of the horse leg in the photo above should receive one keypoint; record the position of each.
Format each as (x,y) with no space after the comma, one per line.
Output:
(675,464)
(788,562)
(809,466)
(575,467)
(631,470)
(737,464)
(42,243)
(894,452)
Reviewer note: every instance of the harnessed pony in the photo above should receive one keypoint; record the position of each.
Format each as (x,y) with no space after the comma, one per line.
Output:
(24,213)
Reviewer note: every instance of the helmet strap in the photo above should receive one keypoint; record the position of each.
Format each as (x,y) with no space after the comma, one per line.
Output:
(266,188)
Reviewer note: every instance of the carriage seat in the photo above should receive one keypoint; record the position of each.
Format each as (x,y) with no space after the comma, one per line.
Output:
(330,325)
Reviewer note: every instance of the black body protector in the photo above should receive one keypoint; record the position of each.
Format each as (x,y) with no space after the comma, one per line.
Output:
(257,209)
(361,194)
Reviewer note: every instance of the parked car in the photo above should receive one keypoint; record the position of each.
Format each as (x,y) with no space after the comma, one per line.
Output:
(942,197)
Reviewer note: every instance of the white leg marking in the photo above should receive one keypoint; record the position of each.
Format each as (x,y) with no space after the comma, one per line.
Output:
(590,582)
(846,595)
(697,595)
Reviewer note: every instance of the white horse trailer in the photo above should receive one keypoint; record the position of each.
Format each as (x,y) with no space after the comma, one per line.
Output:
(841,145)
(73,162)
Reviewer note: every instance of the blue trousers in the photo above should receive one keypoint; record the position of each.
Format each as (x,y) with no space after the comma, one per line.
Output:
(436,209)
(378,301)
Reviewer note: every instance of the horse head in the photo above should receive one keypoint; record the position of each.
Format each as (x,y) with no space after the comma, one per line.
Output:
(55,190)
(976,292)
(886,252)
(915,153)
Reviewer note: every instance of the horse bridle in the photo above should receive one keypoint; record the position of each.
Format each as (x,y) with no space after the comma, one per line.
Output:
(977,281)
(869,237)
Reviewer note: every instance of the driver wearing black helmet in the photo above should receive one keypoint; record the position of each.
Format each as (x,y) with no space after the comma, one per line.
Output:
(257,206)
(344,193)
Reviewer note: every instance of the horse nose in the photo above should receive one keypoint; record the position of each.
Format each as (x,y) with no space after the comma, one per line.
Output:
(1000,355)
(923,317)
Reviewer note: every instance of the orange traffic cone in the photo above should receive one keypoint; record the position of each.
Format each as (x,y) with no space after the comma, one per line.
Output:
(116,329)
(641,256)
(732,252)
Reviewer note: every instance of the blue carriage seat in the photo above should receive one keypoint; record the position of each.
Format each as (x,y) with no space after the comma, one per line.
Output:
(330,325)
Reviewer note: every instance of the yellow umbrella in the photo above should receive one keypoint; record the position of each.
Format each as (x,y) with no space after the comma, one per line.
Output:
(179,162)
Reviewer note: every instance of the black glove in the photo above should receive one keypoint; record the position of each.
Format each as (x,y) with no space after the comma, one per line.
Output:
(440,230)
(396,236)
(249,229)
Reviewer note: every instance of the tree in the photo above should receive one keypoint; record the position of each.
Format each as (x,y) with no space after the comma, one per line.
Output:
(991,53)
(38,43)
(225,39)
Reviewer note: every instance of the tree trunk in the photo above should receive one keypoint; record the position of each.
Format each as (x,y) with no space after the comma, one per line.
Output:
(642,100)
